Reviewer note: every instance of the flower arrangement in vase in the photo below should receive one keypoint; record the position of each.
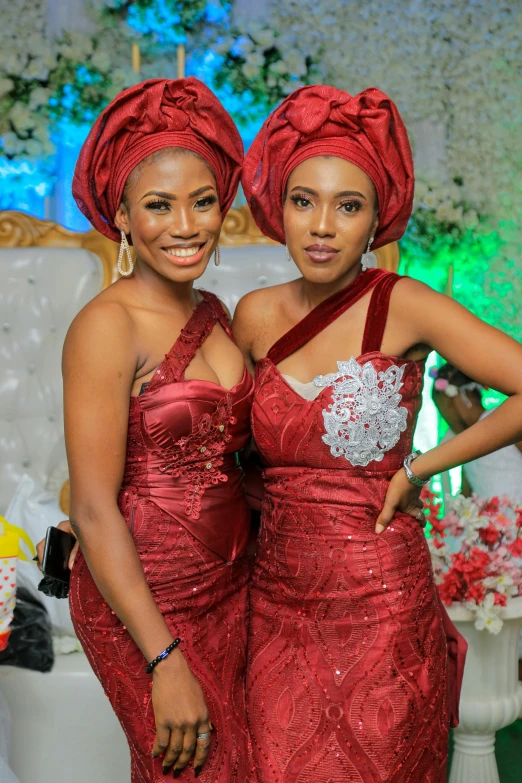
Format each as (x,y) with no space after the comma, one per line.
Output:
(476,550)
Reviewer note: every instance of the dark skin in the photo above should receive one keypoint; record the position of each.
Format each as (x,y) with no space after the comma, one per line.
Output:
(318,210)
(112,347)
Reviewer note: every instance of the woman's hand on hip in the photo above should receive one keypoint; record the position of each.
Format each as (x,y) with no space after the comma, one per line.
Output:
(404,496)
(181,714)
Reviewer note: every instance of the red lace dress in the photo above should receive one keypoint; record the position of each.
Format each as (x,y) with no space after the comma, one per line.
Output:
(183,500)
(348,675)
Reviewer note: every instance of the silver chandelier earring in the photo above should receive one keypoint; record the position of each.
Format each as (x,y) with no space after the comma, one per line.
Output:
(288,256)
(124,248)
(365,260)
(217,255)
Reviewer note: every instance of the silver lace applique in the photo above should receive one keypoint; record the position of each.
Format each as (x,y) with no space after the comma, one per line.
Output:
(364,420)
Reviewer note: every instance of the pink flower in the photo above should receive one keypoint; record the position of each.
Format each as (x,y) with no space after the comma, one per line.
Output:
(441,384)
(500,599)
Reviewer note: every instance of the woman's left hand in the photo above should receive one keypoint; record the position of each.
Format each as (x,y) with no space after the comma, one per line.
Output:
(404,496)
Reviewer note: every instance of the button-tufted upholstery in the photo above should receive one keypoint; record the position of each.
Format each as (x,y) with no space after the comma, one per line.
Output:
(41,291)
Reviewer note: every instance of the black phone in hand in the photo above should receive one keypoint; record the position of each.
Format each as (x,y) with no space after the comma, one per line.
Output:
(58,547)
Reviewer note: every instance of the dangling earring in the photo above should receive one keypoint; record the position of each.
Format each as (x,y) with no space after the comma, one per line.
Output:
(217,255)
(288,256)
(124,246)
(365,259)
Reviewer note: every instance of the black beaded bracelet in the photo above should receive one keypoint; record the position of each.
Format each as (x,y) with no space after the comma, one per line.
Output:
(152,665)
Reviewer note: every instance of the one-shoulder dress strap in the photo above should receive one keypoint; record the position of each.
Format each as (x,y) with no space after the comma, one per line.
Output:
(377,314)
(324,314)
(219,310)
(191,337)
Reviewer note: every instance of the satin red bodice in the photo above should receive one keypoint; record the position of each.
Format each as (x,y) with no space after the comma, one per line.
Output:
(183,501)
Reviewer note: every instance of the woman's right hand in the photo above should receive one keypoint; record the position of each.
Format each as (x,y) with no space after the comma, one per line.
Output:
(181,713)
(65,525)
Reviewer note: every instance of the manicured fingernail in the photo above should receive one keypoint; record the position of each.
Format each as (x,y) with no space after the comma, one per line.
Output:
(35,559)
(177,773)
(154,755)
(165,770)
(197,770)
(380,528)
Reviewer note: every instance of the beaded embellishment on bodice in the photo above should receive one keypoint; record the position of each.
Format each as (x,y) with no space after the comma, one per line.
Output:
(364,419)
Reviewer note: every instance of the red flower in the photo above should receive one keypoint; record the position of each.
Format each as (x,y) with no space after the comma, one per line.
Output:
(516,547)
(437,525)
(452,588)
(490,507)
(476,593)
(438,544)
(500,599)
(519,517)
(490,535)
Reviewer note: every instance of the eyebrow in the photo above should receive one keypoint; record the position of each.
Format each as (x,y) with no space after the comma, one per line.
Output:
(172,197)
(337,195)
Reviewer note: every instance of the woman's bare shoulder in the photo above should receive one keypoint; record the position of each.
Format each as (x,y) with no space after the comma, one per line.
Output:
(103,327)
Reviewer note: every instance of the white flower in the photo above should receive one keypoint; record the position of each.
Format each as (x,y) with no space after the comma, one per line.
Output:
(501,584)
(224,45)
(488,616)
(451,390)
(255,59)
(33,148)
(22,118)
(250,71)
(266,38)
(39,97)
(295,63)
(12,145)
(6,85)
(280,67)
(101,61)
(244,45)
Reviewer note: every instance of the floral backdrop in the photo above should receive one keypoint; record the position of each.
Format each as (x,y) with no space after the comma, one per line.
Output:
(455,62)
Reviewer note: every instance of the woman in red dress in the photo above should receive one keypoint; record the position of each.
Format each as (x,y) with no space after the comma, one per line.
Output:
(157,404)
(349,676)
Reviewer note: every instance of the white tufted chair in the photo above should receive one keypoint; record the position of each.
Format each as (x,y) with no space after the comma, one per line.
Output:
(63,727)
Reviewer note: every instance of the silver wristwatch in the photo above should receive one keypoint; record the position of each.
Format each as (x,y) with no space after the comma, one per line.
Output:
(412,478)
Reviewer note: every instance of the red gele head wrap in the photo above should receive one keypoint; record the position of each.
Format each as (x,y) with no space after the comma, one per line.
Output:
(143,119)
(364,129)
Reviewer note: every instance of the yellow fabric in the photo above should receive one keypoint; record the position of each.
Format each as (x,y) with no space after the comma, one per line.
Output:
(11,538)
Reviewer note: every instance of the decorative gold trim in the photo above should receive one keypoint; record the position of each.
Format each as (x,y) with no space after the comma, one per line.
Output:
(65,497)
(388,257)
(239,228)
(18,229)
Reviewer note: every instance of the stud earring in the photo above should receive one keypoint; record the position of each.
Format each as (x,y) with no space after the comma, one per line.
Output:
(365,260)
(124,248)
(217,255)
(288,256)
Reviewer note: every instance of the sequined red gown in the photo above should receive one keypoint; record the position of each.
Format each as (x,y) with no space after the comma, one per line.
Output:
(183,500)
(348,670)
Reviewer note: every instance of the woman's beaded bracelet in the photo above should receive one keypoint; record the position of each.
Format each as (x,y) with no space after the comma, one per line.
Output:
(152,665)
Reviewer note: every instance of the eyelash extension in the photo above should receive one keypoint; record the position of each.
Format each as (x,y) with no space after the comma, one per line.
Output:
(158,203)
(354,202)
(295,197)
(207,201)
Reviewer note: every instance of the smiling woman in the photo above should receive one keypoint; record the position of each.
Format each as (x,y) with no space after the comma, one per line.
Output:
(157,404)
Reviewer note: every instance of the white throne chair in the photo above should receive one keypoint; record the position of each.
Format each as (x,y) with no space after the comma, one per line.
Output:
(62,724)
